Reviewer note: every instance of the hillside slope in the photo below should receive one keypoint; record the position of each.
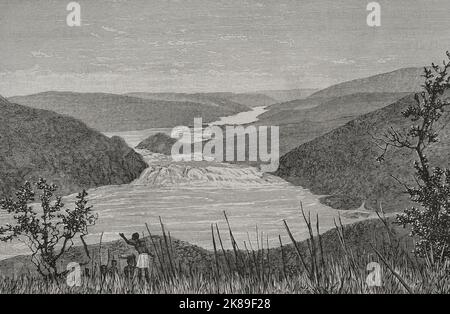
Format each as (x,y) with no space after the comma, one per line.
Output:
(289,95)
(219,98)
(359,237)
(160,143)
(402,80)
(342,163)
(253,99)
(110,112)
(303,120)
(38,143)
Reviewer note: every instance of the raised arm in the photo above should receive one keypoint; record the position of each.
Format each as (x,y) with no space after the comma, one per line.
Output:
(126,240)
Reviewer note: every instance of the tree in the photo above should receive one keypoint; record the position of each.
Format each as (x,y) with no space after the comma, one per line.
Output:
(430,221)
(48,231)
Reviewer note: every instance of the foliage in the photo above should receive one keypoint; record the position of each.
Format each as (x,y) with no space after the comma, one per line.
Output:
(49,230)
(430,221)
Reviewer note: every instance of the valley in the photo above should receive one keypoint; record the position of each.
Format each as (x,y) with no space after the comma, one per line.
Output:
(189,196)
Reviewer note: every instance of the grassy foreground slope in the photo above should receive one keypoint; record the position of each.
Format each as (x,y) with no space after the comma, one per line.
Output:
(337,262)
(358,236)
(342,163)
(39,143)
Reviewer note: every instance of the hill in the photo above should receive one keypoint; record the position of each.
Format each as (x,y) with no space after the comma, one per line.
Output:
(398,81)
(184,255)
(250,99)
(39,143)
(303,120)
(253,99)
(342,163)
(192,258)
(160,143)
(282,96)
(219,98)
(110,112)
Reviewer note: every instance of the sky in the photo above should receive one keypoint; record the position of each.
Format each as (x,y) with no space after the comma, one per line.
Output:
(212,45)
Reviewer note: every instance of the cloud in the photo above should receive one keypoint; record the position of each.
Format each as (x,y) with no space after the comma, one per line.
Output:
(290,42)
(40,54)
(104,59)
(386,59)
(233,37)
(113,30)
(344,61)
(185,43)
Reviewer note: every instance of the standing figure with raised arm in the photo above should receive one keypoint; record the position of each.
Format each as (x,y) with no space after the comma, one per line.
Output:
(143,262)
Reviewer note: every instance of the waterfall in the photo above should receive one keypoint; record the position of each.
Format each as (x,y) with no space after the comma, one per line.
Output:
(190,174)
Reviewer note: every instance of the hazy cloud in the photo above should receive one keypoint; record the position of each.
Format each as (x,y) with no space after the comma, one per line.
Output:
(113,30)
(344,61)
(40,54)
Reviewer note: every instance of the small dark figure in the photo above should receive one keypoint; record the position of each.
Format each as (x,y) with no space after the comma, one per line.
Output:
(87,273)
(131,267)
(114,269)
(103,271)
(143,262)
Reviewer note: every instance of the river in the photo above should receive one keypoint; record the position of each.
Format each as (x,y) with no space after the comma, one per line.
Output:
(189,197)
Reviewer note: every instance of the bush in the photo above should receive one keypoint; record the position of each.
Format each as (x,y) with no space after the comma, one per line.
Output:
(48,231)
(430,220)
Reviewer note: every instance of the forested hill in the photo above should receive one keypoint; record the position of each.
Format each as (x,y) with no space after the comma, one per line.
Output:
(39,143)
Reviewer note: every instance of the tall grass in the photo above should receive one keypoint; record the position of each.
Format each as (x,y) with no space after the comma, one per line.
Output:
(296,267)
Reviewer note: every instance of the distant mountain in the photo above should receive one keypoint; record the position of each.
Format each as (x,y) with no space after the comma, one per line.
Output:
(110,112)
(347,106)
(282,96)
(399,81)
(303,120)
(215,100)
(342,163)
(219,98)
(253,99)
(39,143)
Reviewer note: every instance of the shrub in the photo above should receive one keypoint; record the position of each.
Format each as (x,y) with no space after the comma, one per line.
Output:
(430,220)
(49,230)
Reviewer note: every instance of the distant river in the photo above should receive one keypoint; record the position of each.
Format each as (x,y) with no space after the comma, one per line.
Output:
(133,138)
(242,117)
